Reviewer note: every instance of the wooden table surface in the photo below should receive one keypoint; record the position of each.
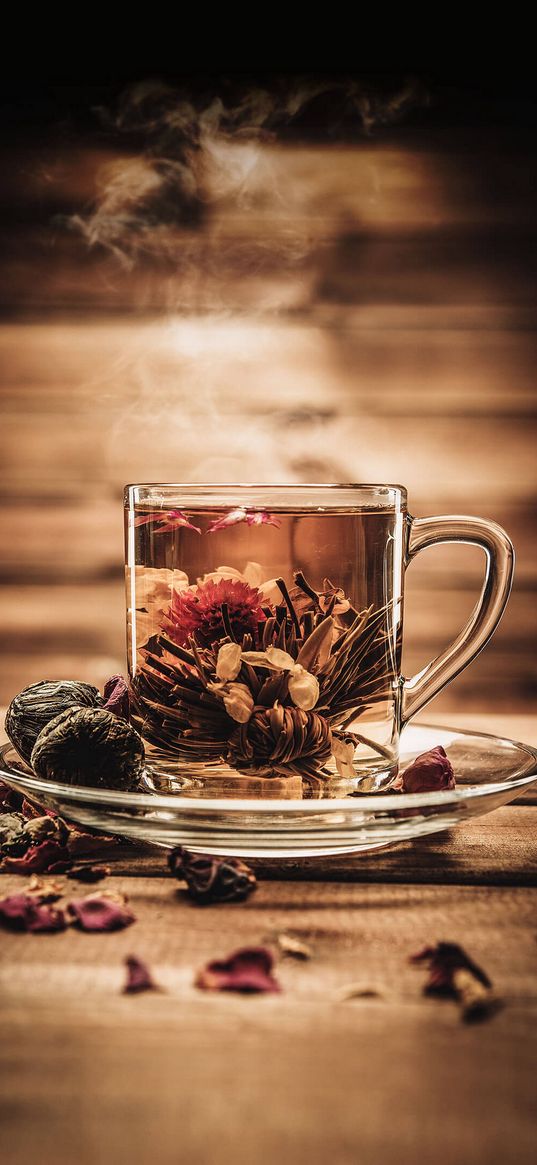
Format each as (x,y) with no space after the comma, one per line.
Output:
(95,1077)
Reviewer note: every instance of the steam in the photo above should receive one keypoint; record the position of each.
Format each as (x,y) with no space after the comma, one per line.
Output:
(192,156)
(205,193)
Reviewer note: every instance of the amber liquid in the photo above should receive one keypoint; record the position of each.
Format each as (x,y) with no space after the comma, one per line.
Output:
(359,553)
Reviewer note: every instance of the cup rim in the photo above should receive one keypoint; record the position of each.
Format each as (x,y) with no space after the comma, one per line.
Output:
(268,495)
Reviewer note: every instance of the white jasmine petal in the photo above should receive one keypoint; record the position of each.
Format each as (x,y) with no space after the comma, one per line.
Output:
(228,664)
(303,688)
(238,702)
(343,753)
(280,659)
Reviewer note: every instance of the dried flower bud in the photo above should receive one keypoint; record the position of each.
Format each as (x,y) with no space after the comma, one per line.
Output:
(228,664)
(238,702)
(212,879)
(303,688)
(429,773)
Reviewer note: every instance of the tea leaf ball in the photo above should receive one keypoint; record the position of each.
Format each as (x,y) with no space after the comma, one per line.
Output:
(89,746)
(39,703)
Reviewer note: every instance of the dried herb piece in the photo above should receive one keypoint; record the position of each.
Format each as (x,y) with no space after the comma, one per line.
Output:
(9,798)
(357,991)
(23,912)
(454,974)
(116,697)
(138,977)
(48,856)
(89,746)
(101,912)
(212,879)
(248,970)
(289,945)
(11,830)
(38,704)
(429,773)
(88,873)
(49,891)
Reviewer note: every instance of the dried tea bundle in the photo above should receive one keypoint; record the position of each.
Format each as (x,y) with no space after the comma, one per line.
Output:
(38,704)
(89,746)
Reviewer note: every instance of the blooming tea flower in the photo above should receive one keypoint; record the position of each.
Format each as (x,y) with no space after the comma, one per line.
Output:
(198,611)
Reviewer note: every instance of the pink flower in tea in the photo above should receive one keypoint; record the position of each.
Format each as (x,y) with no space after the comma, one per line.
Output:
(168,520)
(248,970)
(429,773)
(252,518)
(198,611)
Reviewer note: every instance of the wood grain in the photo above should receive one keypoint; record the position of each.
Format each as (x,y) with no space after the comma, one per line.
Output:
(301,1077)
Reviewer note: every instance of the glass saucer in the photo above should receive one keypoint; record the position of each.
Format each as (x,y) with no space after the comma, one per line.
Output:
(490,771)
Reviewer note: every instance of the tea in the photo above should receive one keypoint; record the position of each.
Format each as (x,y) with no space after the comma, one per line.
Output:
(264,647)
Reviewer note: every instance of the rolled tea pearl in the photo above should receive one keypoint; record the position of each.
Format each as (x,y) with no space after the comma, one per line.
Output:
(39,703)
(89,746)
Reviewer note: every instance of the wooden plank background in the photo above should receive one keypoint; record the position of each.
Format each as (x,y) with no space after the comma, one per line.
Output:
(366,313)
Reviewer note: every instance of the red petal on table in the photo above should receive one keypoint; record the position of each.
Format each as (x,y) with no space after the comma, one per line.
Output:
(23,912)
(80,844)
(247,970)
(116,697)
(429,773)
(138,976)
(46,857)
(97,912)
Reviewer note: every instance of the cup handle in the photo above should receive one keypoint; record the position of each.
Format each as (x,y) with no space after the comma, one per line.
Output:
(499,567)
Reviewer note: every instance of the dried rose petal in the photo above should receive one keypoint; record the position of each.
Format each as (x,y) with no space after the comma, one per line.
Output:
(45,857)
(212,879)
(138,976)
(429,773)
(88,873)
(80,844)
(453,973)
(100,912)
(23,912)
(247,970)
(116,697)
